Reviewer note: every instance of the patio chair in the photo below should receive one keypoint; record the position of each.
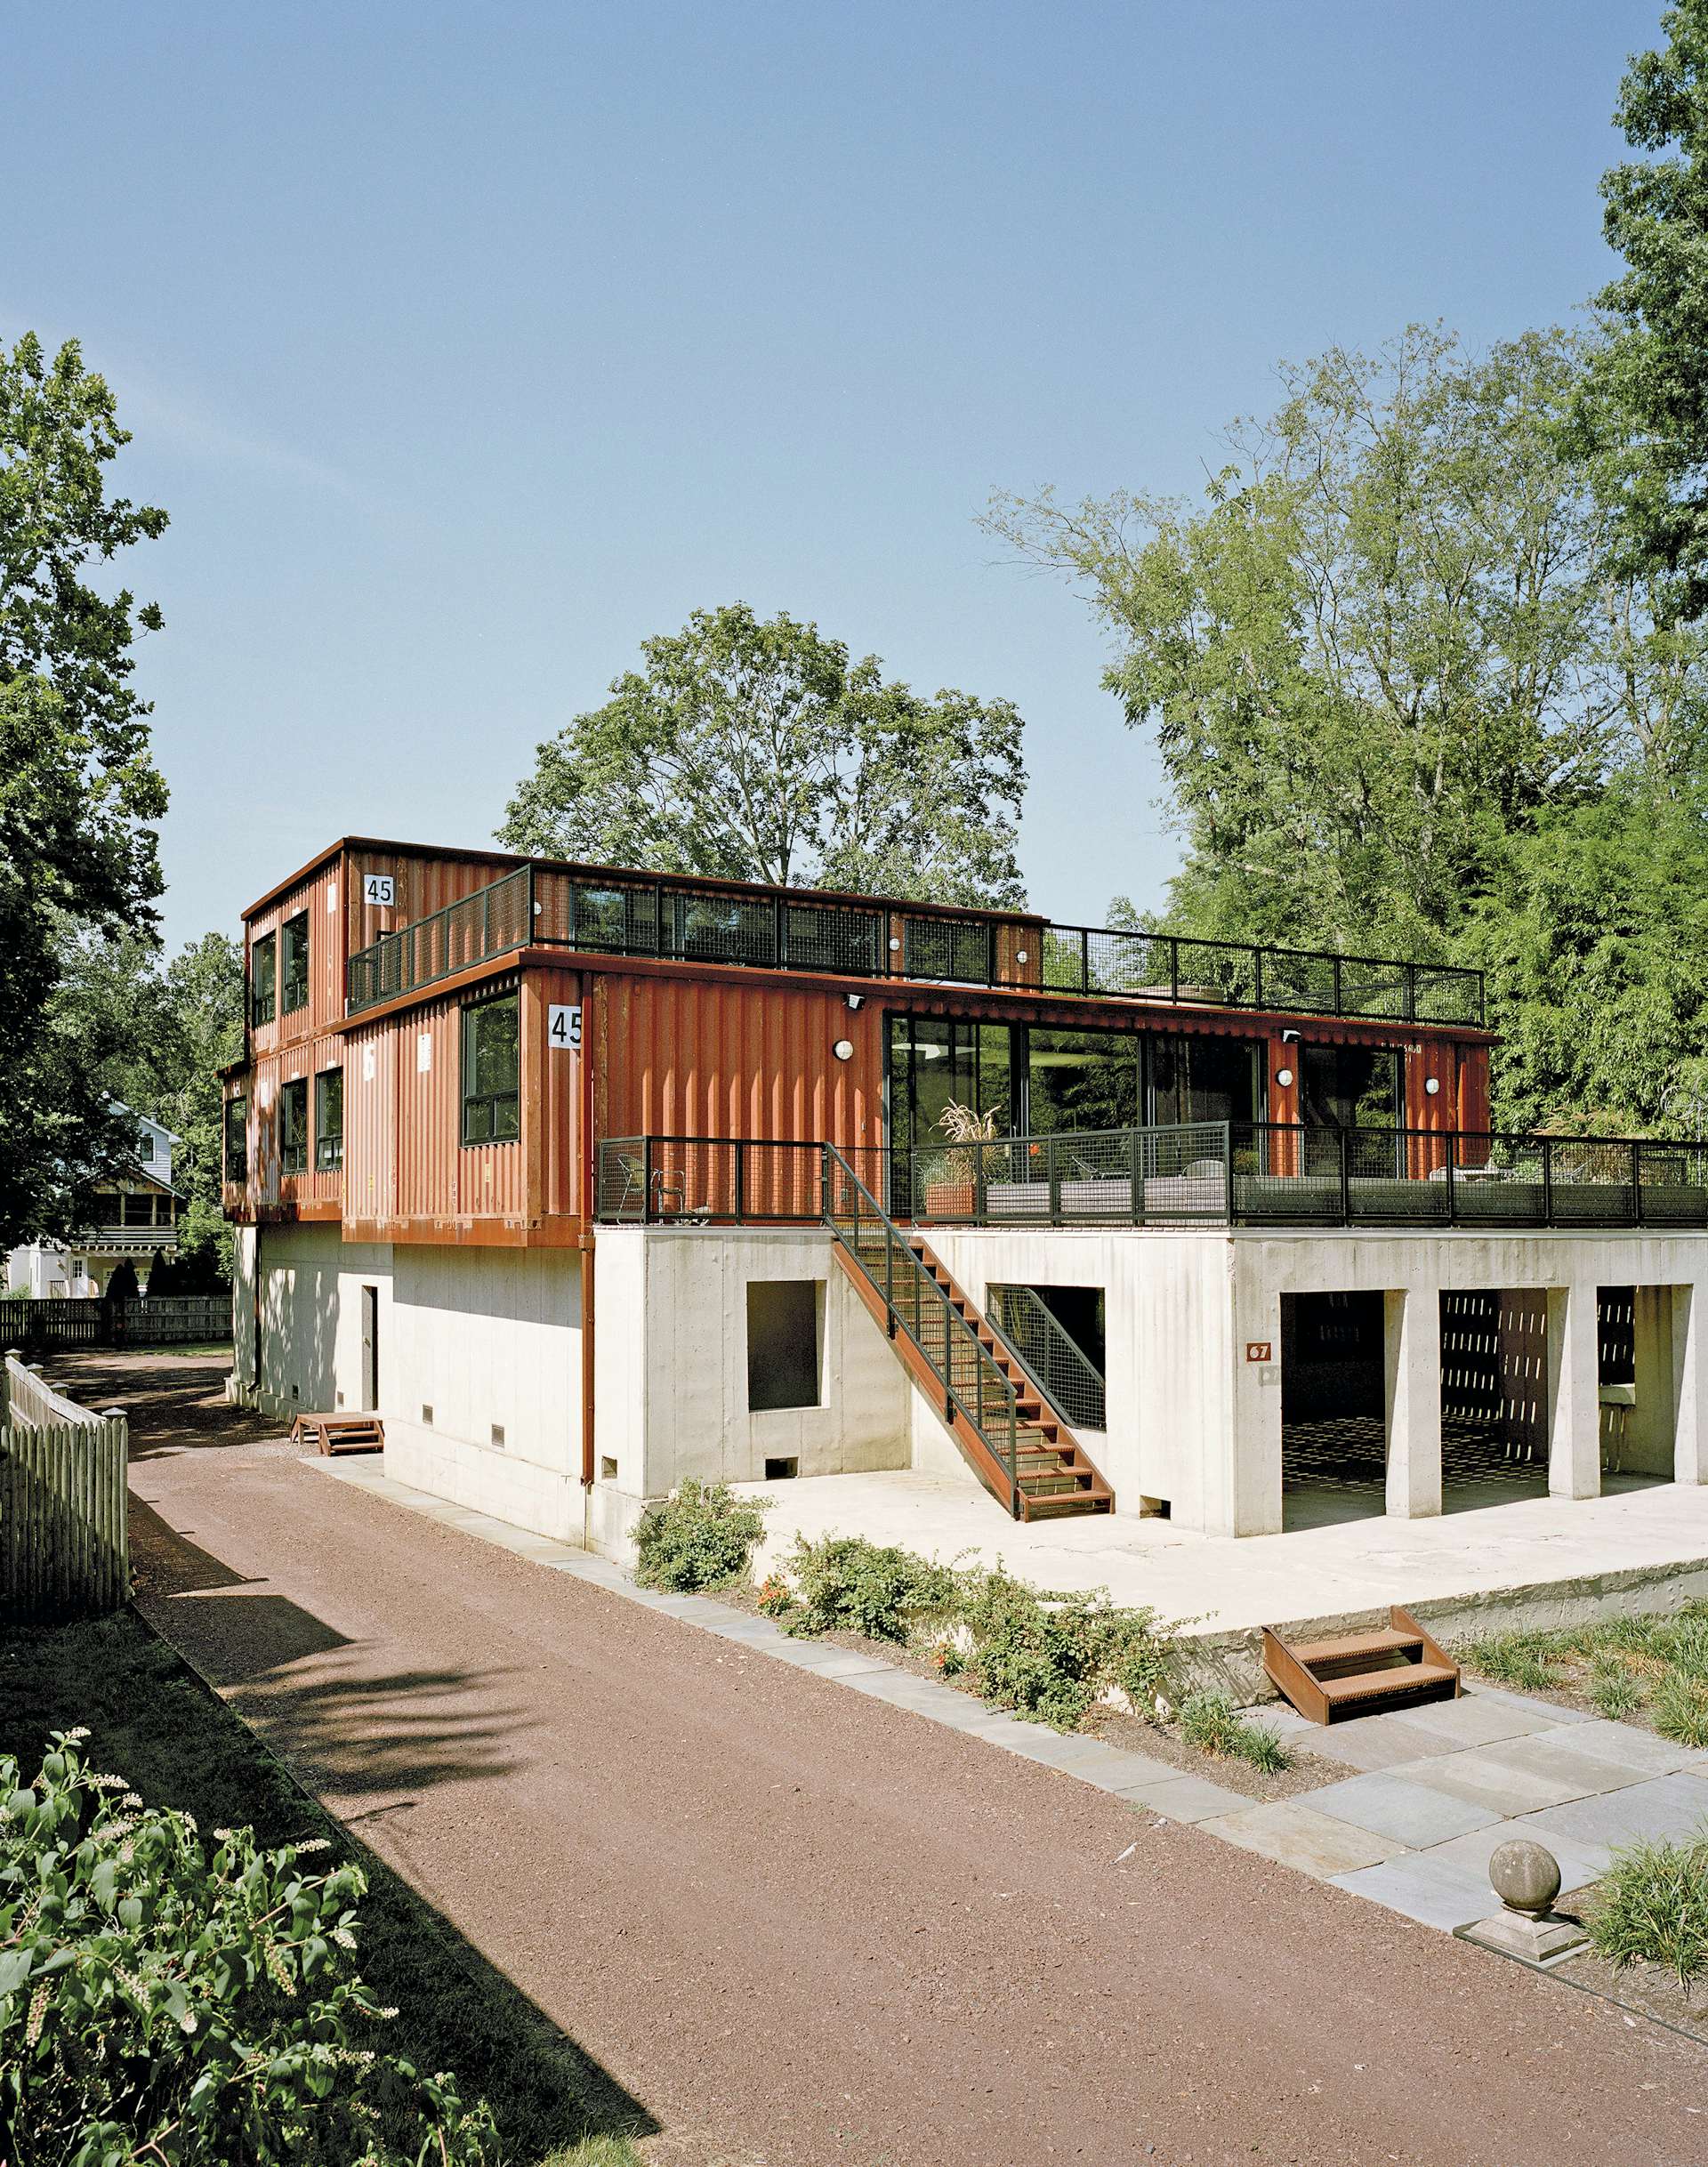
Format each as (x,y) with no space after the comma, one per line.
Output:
(667,1192)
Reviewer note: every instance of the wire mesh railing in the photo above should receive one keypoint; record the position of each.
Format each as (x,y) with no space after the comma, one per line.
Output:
(632,915)
(1215,1174)
(1051,1356)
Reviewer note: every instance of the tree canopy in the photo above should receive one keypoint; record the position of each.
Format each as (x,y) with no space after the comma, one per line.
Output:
(1648,400)
(78,789)
(752,749)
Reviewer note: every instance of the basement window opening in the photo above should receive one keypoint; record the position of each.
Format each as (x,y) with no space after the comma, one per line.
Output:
(782,1471)
(784,1342)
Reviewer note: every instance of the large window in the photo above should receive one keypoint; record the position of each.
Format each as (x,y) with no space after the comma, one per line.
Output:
(1205,1079)
(264,965)
(329,1120)
(1083,1080)
(237,1140)
(294,1126)
(1350,1087)
(491,1071)
(293,962)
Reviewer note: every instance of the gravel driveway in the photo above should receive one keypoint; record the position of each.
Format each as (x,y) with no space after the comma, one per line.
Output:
(806,1928)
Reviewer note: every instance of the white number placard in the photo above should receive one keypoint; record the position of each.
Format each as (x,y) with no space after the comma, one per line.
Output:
(379,888)
(563,1028)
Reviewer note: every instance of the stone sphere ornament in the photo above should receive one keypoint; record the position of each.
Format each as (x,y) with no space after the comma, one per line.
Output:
(1526,1877)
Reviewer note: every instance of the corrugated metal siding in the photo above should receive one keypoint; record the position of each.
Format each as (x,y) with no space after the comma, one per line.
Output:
(551,1090)
(371,1123)
(1473,1087)
(420,887)
(677,1057)
(1433,1058)
(437,1176)
(318,895)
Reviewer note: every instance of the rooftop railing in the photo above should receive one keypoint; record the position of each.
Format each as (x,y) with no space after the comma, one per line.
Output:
(619,914)
(1198,1173)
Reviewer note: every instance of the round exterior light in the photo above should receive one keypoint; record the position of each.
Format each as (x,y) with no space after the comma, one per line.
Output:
(1021,956)
(895,948)
(1284,1077)
(844,1048)
(1432,1084)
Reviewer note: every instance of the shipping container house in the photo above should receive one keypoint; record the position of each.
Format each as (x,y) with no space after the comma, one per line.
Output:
(586,1180)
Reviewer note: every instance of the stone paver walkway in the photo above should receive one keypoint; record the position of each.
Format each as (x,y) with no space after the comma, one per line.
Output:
(1427,1797)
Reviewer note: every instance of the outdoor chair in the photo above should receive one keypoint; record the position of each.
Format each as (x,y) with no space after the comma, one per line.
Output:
(668,1192)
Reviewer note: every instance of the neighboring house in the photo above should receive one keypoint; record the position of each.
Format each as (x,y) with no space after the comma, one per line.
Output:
(136,1218)
(588,1180)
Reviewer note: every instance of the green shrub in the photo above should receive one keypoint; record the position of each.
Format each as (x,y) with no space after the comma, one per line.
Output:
(843,1584)
(1051,1657)
(1211,1722)
(700,1535)
(1514,1658)
(192,2005)
(1652,1907)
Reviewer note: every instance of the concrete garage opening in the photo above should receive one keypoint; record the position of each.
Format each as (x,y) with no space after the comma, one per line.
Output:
(1495,1424)
(1636,1377)
(1334,1408)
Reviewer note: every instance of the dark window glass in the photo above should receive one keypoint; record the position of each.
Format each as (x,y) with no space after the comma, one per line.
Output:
(145,1144)
(262,969)
(491,1071)
(294,1126)
(1205,1079)
(1081,1080)
(139,1210)
(329,1119)
(237,1140)
(294,959)
(1350,1087)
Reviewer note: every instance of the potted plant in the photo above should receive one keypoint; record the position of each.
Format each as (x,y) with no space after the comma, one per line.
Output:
(950,1179)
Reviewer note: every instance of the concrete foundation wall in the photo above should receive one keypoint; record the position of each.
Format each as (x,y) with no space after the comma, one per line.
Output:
(310,1316)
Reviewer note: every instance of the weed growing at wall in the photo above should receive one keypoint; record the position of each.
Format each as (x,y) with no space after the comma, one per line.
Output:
(700,1535)
(843,1584)
(167,1998)
(1211,1722)
(1652,1907)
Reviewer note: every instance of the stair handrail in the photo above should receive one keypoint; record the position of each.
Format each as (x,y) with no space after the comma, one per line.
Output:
(1059,1336)
(896,1246)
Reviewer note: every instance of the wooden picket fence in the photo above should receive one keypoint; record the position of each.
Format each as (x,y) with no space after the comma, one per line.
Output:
(64,1543)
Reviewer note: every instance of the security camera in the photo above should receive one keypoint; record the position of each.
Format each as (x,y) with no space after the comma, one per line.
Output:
(854,1000)
(1289,1038)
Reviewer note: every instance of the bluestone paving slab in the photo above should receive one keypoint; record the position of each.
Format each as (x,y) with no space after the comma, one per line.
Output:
(1410,1813)
(1485,1778)
(1294,1834)
(1477,1719)
(1179,1797)
(1554,1755)
(1033,1742)
(1579,1861)
(1374,1742)
(1124,1771)
(1665,1806)
(1634,1748)
(1554,1711)
(1433,1891)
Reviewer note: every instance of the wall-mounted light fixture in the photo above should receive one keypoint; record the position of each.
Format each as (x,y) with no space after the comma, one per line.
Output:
(844,1048)
(1290,1038)
(854,1000)
(1284,1077)
(895,948)
(1432,1085)
(1021,956)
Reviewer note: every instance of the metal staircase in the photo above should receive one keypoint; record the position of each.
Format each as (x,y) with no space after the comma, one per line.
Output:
(1396,1665)
(1013,1438)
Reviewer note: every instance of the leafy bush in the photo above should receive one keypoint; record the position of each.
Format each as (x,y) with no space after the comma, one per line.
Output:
(700,1535)
(1652,1907)
(844,1583)
(159,1998)
(1211,1722)
(1051,1657)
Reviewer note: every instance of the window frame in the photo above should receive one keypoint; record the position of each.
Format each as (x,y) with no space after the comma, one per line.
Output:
(235,1168)
(289,1165)
(266,945)
(324,1161)
(468,1025)
(293,944)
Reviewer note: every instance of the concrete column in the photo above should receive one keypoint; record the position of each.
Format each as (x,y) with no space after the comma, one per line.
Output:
(1690,1382)
(1412,1350)
(1574,1393)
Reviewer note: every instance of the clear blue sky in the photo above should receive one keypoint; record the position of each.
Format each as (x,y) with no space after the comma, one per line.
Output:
(467,345)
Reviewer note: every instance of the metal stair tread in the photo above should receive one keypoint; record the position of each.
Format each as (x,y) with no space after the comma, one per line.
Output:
(1374,1684)
(1380,1641)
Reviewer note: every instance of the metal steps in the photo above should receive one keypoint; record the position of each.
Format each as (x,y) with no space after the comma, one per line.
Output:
(1396,1665)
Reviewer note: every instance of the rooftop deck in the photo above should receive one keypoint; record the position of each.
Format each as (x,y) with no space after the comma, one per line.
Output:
(1202,1173)
(593,912)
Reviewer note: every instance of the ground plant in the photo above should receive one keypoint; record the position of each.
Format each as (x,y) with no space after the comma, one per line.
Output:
(1652,1670)
(1211,1722)
(1652,1907)
(699,1536)
(843,1584)
(182,1998)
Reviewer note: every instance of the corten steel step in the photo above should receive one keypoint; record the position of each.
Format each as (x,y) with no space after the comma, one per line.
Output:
(335,1433)
(1052,1475)
(1396,1665)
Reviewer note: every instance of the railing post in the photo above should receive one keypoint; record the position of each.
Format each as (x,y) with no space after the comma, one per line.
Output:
(1136,1147)
(1346,1179)
(646,1181)
(1052,1171)
(980,1184)
(1547,1183)
(740,1182)
(1013,1460)
(890,1281)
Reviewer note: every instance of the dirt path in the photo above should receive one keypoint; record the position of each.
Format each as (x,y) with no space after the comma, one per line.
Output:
(814,1929)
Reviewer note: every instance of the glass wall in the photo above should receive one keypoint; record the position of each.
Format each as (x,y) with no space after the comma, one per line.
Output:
(1350,1087)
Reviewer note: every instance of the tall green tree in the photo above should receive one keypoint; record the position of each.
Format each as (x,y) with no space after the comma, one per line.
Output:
(754,749)
(1386,640)
(78,789)
(1647,403)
